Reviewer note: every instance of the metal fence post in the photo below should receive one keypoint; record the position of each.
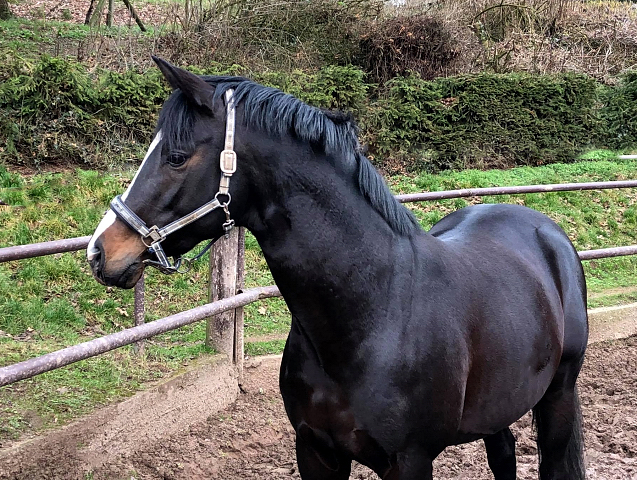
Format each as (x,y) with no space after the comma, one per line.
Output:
(224,332)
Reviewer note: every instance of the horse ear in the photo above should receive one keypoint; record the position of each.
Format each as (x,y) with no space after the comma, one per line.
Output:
(193,87)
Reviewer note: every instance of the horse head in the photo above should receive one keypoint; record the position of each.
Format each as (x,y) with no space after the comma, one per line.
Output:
(188,188)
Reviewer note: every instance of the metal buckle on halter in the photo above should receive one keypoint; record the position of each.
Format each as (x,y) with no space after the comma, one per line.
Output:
(162,263)
(227,226)
(229,223)
(228,161)
(181,265)
(154,235)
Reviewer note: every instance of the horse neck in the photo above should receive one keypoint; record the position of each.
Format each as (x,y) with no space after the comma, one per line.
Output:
(330,252)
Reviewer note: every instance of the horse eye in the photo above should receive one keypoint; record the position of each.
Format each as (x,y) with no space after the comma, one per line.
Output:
(177,159)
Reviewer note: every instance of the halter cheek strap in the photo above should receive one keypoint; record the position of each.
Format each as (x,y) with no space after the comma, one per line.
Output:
(228,158)
(153,236)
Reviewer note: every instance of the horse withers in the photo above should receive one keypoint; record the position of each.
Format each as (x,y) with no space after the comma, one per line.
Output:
(403,341)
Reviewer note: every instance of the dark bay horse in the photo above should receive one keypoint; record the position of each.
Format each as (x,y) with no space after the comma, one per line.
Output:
(403,342)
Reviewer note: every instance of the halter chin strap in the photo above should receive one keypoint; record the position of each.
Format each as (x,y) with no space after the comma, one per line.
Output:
(153,236)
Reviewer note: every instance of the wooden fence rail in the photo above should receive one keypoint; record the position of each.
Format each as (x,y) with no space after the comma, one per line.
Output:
(51,361)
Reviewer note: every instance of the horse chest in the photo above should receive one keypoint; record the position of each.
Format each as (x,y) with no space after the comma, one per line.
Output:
(321,413)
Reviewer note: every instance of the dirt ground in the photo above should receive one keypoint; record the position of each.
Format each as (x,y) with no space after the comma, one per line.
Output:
(253,440)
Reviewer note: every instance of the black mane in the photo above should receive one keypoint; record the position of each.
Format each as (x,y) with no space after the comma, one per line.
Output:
(279,114)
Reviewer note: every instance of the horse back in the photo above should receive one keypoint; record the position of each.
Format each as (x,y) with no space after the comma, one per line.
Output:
(512,235)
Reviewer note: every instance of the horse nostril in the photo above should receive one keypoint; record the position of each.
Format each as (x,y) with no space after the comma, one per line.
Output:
(95,257)
(97,260)
(92,254)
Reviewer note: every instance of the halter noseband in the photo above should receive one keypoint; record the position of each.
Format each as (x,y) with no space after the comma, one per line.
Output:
(153,236)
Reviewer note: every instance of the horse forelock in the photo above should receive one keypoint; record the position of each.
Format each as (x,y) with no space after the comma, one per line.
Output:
(279,114)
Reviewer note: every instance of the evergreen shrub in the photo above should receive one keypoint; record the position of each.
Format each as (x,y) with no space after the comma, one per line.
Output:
(619,113)
(486,120)
(55,112)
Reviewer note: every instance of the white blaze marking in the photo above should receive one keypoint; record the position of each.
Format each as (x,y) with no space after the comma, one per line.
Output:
(110,217)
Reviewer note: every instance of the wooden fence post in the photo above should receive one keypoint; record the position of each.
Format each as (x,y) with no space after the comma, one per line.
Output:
(224,332)
(239,353)
(139,310)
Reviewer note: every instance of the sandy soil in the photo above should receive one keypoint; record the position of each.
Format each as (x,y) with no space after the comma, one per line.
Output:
(253,440)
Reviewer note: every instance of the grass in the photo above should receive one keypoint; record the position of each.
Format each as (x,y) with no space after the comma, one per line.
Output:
(265,348)
(52,302)
(22,35)
(609,299)
(600,154)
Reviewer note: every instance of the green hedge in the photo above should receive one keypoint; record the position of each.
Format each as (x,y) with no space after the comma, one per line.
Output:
(619,113)
(487,120)
(54,111)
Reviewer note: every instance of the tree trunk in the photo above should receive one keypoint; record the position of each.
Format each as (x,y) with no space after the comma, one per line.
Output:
(132,11)
(5,11)
(89,14)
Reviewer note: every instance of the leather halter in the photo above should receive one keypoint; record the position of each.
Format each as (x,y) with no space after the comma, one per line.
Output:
(153,236)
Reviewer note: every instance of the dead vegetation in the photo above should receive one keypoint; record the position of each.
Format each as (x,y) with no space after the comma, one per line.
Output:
(543,36)
(396,46)
(432,37)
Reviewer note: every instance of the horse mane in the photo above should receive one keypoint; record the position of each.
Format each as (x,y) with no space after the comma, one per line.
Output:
(278,113)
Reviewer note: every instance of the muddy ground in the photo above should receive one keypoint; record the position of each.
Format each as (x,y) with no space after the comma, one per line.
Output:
(252,438)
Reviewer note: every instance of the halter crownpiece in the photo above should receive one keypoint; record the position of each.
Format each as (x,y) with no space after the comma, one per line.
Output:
(153,236)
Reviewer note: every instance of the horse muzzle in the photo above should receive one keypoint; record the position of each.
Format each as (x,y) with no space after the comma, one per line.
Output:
(122,272)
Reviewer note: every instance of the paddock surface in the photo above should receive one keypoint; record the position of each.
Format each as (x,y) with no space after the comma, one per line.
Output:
(251,439)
